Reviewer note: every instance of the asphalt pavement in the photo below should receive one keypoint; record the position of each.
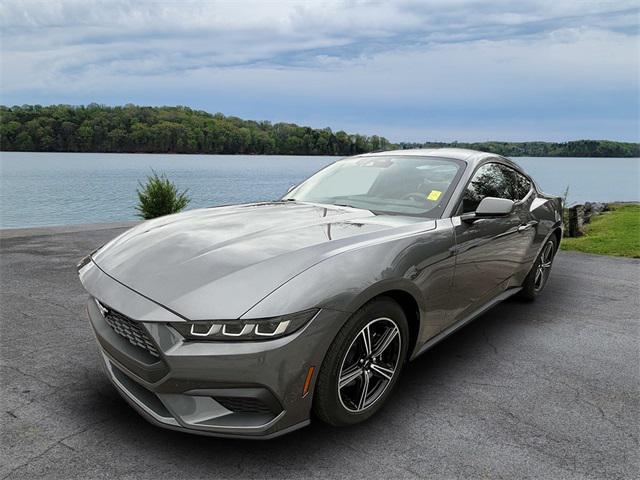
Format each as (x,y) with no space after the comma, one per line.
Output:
(548,389)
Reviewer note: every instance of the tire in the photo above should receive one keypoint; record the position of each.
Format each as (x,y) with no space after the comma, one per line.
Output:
(375,367)
(539,275)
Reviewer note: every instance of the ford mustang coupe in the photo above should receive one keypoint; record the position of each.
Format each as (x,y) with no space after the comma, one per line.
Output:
(245,320)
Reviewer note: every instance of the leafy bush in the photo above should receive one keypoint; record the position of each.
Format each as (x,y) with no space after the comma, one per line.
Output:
(159,197)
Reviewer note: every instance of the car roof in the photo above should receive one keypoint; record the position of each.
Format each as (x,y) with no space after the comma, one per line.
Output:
(470,156)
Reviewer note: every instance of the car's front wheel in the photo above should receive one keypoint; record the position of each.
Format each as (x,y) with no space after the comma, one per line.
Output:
(362,364)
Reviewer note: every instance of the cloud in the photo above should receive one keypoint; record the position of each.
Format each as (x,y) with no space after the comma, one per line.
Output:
(403,66)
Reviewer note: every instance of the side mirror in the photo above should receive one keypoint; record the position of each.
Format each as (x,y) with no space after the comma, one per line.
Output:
(490,207)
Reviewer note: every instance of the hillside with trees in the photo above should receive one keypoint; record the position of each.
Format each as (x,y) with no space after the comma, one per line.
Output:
(136,129)
(577,148)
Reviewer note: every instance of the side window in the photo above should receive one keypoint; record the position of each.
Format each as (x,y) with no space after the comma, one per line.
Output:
(523,185)
(489,181)
(495,180)
(519,185)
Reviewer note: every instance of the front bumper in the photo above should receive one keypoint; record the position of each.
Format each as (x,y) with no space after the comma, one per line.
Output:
(239,389)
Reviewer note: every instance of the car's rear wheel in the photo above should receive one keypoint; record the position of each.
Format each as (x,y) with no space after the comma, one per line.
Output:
(539,275)
(362,364)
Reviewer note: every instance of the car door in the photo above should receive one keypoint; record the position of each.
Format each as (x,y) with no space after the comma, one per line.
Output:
(489,251)
(523,194)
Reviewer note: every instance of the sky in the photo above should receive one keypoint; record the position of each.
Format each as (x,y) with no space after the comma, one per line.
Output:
(431,70)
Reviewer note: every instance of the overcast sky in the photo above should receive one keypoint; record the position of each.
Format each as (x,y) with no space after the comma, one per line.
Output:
(408,70)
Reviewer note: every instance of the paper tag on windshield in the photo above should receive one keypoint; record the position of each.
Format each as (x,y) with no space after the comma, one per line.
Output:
(434,195)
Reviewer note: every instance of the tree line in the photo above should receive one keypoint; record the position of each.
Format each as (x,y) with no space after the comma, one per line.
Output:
(576,148)
(137,129)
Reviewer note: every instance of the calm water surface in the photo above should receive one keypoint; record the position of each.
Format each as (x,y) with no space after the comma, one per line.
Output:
(39,189)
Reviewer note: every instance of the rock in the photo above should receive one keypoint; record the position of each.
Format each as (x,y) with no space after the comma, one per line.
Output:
(593,208)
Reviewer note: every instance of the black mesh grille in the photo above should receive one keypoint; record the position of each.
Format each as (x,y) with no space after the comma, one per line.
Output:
(243,405)
(129,329)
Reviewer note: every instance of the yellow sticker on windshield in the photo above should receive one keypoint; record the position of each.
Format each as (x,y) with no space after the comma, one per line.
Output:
(434,195)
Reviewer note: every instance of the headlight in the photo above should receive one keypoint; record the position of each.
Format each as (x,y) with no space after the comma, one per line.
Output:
(254,329)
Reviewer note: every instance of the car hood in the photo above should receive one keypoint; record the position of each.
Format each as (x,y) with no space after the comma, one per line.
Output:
(216,263)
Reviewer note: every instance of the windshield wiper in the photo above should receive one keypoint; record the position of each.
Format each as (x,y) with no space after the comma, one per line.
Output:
(375,212)
(342,205)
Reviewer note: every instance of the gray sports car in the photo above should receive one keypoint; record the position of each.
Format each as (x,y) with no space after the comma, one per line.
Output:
(243,320)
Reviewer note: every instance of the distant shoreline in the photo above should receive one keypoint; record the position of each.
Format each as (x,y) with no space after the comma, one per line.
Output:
(180,130)
(272,154)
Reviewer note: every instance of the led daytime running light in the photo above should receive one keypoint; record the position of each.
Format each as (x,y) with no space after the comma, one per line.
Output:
(258,329)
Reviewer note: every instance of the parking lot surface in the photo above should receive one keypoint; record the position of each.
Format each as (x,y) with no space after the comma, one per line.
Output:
(548,389)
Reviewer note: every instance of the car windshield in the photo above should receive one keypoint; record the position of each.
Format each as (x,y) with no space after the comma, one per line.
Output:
(402,185)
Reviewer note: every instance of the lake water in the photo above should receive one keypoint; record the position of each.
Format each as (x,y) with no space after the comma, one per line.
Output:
(38,189)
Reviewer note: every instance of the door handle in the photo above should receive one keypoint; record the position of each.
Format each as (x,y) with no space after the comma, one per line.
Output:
(527,226)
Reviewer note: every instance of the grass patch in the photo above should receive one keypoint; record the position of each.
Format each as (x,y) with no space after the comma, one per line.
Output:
(616,232)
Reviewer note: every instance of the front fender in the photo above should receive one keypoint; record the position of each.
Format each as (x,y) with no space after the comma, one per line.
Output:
(420,264)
